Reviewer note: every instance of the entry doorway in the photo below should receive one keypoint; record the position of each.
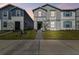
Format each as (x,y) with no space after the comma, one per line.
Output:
(39,25)
(17,25)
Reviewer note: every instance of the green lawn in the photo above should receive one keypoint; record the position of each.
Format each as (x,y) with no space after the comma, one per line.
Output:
(30,34)
(61,35)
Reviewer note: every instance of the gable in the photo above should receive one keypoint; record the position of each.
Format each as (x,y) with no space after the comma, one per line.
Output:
(13,11)
(40,10)
(50,7)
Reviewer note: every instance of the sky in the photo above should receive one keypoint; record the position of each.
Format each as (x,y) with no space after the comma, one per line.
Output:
(30,6)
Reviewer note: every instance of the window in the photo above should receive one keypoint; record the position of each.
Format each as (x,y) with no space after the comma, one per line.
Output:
(18,13)
(52,13)
(67,14)
(5,24)
(52,24)
(67,24)
(5,13)
(39,13)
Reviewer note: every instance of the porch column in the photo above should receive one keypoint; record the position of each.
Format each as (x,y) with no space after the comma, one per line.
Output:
(43,26)
(35,25)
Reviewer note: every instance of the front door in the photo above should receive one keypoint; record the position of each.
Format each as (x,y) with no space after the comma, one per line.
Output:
(39,25)
(17,25)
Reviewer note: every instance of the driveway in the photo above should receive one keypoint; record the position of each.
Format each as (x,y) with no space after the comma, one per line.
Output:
(39,46)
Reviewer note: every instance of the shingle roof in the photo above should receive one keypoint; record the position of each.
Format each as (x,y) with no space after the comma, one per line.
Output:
(56,8)
(13,6)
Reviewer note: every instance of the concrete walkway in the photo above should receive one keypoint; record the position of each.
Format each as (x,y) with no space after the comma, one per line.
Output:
(39,35)
(38,38)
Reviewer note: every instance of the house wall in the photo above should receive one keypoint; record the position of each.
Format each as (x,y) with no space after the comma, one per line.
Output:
(77,19)
(21,20)
(36,13)
(73,24)
(11,23)
(71,18)
(12,17)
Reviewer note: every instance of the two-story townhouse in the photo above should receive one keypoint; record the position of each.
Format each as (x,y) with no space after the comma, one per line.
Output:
(14,18)
(49,17)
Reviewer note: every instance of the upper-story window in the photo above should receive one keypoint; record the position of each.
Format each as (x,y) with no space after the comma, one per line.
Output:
(5,13)
(18,13)
(39,13)
(67,14)
(52,13)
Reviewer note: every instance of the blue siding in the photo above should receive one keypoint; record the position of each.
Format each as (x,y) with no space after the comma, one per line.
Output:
(28,22)
(22,13)
(0,14)
(13,12)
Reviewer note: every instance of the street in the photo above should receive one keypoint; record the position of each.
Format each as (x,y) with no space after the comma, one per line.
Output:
(32,47)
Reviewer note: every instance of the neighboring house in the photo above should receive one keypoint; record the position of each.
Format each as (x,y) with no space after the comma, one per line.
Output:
(49,17)
(14,18)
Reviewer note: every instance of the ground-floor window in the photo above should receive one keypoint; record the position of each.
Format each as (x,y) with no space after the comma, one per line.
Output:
(67,24)
(52,24)
(5,24)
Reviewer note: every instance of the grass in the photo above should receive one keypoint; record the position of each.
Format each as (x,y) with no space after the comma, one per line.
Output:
(61,35)
(30,34)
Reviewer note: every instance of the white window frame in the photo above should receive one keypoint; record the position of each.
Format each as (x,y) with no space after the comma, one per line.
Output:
(69,13)
(52,24)
(39,13)
(18,12)
(52,13)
